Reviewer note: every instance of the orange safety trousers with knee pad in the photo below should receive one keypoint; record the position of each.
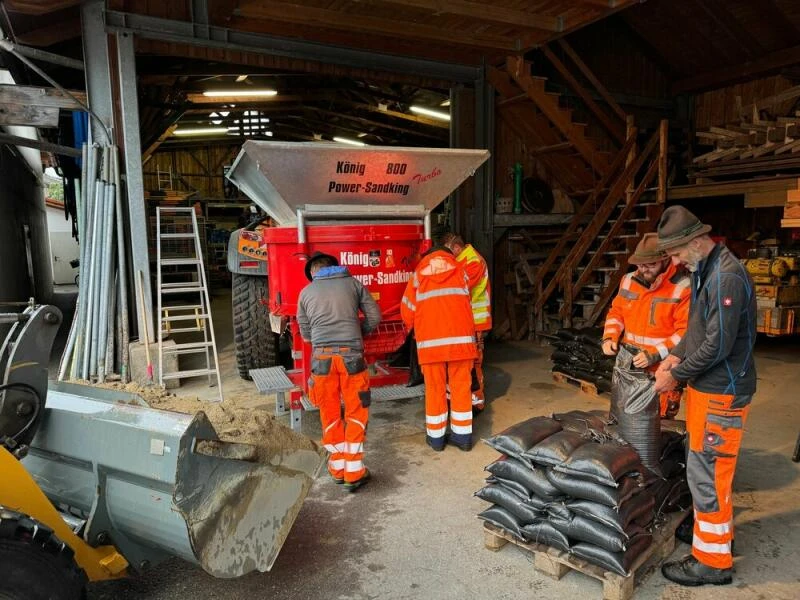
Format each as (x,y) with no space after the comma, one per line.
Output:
(438,375)
(715,424)
(340,376)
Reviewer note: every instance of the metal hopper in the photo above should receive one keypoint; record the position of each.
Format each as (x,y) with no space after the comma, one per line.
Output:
(157,484)
(282,177)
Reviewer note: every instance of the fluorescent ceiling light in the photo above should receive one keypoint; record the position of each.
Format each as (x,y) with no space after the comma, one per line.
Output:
(342,140)
(201,131)
(445,102)
(241,78)
(220,93)
(436,114)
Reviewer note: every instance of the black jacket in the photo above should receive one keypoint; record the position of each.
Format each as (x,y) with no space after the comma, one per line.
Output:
(717,351)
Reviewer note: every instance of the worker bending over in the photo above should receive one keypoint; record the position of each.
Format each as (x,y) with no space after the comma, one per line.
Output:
(480,296)
(650,313)
(715,357)
(436,305)
(327,313)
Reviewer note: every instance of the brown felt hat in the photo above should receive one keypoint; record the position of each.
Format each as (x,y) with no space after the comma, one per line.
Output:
(647,250)
(679,226)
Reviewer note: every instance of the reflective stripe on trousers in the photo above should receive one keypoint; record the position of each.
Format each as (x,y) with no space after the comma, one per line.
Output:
(715,425)
(342,434)
(438,375)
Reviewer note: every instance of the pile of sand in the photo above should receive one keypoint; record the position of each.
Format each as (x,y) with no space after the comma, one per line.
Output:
(232,422)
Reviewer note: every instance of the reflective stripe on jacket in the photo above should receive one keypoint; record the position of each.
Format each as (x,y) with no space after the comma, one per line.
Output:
(653,318)
(479,287)
(436,304)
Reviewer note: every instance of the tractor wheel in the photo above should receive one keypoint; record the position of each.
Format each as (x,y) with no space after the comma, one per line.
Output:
(34,563)
(255,344)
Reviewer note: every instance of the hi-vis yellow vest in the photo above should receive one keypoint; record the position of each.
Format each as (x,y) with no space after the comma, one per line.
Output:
(479,288)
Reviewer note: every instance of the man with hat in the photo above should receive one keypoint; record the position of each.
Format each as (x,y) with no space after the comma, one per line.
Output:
(650,313)
(327,313)
(715,358)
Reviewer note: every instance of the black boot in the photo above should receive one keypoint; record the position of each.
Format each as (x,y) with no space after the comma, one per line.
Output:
(685,531)
(691,572)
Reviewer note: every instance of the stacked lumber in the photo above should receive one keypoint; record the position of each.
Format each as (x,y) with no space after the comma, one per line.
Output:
(760,142)
(791,211)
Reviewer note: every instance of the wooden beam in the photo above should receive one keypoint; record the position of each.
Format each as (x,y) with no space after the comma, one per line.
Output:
(51,34)
(199,98)
(39,7)
(40,96)
(148,153)
(587,72)
(487,11)
(320,17)
(790,94)
(548,149)
(16,140)
(34,116)
(720,77)
(736,31)
(372,123)
(397,115)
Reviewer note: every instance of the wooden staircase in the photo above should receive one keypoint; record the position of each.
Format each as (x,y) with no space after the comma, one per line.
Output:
(579,277)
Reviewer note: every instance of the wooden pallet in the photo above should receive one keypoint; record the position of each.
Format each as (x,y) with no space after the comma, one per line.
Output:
(587,387)
(556,563)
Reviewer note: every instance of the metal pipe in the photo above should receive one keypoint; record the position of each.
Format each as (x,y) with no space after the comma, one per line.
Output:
(85,247)
(97,281)
(122,265)
(41,55)
(92,308)
(111,337)
(107,280)
(67,356)
(427,226)
(301,226)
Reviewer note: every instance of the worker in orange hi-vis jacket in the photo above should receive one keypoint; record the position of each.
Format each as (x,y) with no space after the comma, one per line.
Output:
(480,296)
(436,305)
(650,313)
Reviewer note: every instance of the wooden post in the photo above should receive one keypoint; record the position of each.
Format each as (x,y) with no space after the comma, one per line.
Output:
(663,142)
(630,129)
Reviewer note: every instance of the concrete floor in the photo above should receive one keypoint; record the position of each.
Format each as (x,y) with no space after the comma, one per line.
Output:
(412,532)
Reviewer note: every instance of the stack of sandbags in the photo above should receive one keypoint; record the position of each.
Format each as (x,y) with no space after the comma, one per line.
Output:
(578,353)
(570,483)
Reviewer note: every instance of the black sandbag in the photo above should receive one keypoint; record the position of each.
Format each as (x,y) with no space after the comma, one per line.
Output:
(501,496)
(567,334)
(675,425)
(543,532)
(555,449)
(533,480)
(511,485)
(596,492)
(679,497)
(603,384)
(580,421)
(581,529)
(635,407)
(499,516)
(518,438)
(638,509)
(560,356)
(558,510)
(617,562)
(604,463)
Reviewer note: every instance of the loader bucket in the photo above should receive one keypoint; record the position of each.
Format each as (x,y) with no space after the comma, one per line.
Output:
(158,484)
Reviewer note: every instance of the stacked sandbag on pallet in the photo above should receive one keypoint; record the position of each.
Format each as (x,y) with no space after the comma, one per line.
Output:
(578,353)
(566,482)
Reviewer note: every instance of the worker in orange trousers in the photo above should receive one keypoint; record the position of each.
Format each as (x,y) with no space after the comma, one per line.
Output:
(480,296)
(650,313)
(436,304)
(327,313)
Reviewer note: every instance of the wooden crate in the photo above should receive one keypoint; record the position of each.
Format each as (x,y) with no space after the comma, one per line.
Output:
(556,563)
(587,387)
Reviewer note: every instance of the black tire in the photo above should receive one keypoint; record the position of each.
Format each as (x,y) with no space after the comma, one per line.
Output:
(255,344)
(34,563)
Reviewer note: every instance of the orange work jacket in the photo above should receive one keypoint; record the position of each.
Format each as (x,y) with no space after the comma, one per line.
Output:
(436,304)
(652,318)
(479,288)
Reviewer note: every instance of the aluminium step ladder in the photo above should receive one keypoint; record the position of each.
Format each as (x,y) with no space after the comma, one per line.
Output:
(178,246)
